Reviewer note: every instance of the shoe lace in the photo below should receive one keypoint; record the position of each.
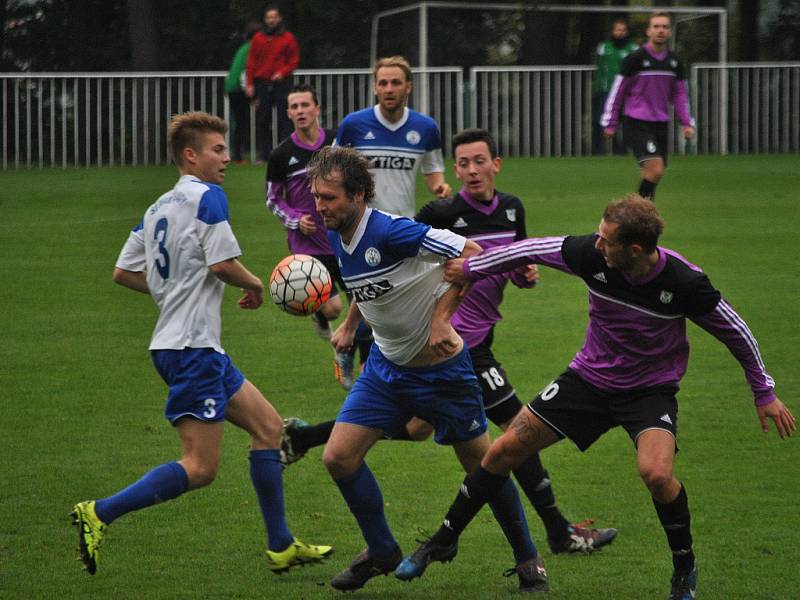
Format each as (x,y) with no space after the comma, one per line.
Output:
(425,536)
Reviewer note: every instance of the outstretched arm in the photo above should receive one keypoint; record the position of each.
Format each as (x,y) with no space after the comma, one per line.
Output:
(725,324)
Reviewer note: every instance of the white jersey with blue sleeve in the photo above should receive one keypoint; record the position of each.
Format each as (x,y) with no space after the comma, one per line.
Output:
(183,233)
(393,267)
(397,151)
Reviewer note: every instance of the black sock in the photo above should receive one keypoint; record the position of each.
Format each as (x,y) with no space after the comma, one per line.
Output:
(647,189)
(478,488)
(535,482)
(676,521)
(305,438)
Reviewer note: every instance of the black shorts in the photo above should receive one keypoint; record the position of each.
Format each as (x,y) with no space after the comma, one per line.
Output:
(329,260)
(647,139)
(499,397)
(581,412)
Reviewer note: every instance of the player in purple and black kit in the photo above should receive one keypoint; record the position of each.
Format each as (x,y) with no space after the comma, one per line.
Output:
(627,373)
(649,80)
(491,218)
(289,194)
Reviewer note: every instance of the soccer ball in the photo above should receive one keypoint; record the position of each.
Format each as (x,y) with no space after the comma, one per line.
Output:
(300,284)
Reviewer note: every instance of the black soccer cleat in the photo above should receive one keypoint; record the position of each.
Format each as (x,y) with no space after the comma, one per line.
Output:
(414,564)
(288,451)
(684,585)
(532,575)
(363,568)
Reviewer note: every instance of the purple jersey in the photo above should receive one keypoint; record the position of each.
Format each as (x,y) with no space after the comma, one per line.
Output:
(289,194)
(647,84)
(496,223)
(636,336)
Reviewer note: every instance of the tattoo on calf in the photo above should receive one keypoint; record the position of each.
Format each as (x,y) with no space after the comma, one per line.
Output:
(523,430)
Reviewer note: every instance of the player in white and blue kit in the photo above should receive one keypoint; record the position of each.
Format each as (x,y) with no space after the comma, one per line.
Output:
(182,254)
(418,366)
(398,142)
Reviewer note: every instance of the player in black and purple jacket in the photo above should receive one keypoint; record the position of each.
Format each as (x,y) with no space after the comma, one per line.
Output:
(650,79)
(627,372)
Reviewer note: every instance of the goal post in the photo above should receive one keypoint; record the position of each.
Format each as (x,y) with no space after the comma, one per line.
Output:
(691,13)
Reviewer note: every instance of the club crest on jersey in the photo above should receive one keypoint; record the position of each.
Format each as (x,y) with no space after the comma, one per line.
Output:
(372,256)
(511,214)
(651,146)
(665,297)
(413,137)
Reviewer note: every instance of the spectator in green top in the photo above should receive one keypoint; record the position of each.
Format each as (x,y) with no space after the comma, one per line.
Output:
(609,56)
(237,98)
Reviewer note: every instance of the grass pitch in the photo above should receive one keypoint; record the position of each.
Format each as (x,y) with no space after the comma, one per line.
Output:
(82,411)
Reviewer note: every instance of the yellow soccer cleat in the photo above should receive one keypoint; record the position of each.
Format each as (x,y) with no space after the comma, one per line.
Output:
(90,533)
(299,553)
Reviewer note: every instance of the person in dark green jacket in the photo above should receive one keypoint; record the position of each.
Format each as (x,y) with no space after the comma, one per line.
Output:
(609,57)
(237,98)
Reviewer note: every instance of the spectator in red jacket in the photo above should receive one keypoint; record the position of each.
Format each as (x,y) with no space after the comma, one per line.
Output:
(274,54)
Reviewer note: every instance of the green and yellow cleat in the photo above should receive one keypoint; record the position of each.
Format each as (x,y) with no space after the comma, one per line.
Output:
(299,553)
(90,534)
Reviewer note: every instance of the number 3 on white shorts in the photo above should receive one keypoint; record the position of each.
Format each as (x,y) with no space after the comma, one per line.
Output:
(211,408)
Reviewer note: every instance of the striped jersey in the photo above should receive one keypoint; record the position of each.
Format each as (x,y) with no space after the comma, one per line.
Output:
(289,196)
(183,233)
(636,336)
(496,223)
(393,268)
(647,84)
(397,151)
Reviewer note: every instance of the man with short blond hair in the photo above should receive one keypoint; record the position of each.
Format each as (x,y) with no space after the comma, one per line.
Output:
(182,253)
(397,140)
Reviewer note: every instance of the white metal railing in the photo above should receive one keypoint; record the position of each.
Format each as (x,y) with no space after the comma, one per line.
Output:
(747,107)
(72,119)
(540,111)
(534,111)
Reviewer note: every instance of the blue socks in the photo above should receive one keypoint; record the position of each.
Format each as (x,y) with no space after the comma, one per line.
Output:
(265,472)
(165,482)
(364,498)
(169,481)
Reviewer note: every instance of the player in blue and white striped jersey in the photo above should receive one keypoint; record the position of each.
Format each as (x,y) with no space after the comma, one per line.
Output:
(182,254)
(418,366)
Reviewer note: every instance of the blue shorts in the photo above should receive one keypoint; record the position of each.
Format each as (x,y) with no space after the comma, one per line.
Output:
(385,396)
(200,380)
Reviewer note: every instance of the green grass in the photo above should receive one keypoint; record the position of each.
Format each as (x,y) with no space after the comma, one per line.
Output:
(82,407)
